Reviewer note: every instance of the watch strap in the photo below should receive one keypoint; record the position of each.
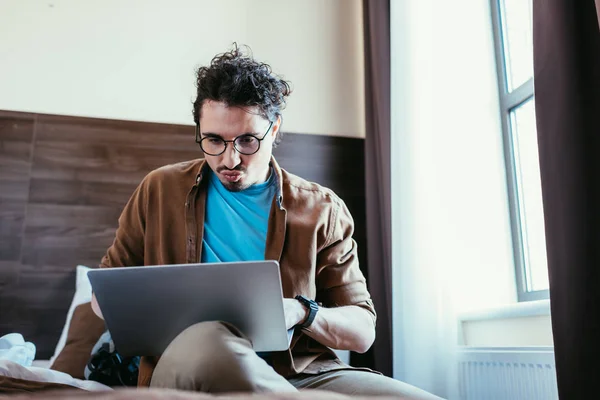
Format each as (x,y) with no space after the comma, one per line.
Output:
(312,307)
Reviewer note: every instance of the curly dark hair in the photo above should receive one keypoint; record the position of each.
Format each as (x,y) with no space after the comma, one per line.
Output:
(237,79)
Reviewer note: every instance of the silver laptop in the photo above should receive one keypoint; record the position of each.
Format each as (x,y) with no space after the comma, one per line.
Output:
(145,308)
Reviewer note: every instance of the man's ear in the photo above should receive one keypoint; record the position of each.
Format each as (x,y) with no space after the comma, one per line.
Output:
(276,126)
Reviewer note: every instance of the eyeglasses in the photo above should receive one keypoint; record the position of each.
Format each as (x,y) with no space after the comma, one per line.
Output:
(246,144)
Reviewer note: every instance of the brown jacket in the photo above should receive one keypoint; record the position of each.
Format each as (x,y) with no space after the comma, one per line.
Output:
(309,233)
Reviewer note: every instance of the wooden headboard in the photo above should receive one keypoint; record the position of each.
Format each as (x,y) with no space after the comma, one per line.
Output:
(64,181)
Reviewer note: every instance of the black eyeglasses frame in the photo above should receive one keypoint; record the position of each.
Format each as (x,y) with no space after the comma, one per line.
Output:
(199,140)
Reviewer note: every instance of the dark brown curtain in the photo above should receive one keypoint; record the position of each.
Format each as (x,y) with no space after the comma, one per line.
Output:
(567,98)
(376,14)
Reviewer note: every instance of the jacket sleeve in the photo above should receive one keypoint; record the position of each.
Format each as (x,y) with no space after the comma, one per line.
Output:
(339,280)
(128,246)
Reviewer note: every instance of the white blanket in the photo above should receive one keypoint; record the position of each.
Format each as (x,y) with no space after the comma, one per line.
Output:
(14,348)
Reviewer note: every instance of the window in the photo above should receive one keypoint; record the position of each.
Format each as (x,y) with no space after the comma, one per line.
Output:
(513,37)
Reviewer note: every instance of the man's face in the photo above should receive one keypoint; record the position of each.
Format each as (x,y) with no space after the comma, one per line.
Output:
(237,171)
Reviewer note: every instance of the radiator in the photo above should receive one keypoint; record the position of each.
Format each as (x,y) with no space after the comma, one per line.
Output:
(507,373)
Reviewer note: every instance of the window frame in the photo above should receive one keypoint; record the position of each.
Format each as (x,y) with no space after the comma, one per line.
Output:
(509,100)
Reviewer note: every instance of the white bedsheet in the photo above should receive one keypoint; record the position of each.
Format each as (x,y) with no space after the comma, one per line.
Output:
(41,363)
(14,370)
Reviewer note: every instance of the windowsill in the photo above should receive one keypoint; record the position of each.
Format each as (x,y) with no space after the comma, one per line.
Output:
(525,324)
(515,310)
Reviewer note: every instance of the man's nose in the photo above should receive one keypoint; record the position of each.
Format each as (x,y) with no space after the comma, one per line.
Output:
(231,158)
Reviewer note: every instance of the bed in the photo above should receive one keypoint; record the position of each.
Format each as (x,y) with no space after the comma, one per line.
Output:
(61,192)
(64,181)
(166,394)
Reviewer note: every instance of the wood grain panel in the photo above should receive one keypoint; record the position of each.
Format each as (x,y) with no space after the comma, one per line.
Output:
(12,217)
(102,162)
(16,135)
(14,159)
(14,191)
(58,215)
(9,272)
(62,210)
(115,133)
(15,148)
(76,192)
(66,246)
(10,247)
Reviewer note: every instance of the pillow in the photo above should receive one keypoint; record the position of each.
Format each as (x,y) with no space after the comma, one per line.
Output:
(84,331)
(83,294)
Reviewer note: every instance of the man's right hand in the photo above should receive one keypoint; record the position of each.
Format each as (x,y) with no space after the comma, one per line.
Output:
(294,312)
(96,307)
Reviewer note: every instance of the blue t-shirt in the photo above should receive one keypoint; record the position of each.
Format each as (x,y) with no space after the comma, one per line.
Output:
(235,223)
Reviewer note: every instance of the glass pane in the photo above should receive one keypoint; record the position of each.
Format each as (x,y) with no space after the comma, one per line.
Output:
(529,189)
(518,41)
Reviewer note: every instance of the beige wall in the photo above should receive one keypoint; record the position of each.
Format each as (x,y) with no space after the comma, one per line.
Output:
(135,60)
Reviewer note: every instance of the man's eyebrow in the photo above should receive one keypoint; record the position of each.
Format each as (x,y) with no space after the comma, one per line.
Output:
(211,134)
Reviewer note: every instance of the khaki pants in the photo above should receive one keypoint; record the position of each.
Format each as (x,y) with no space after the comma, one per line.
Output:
(226,362)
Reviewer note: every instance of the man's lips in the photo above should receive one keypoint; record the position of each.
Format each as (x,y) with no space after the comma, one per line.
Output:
(231,176)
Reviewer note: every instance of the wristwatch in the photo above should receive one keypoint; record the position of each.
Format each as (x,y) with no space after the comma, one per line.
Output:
(312,307)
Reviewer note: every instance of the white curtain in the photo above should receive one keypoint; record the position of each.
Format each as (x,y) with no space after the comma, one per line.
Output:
(451,249)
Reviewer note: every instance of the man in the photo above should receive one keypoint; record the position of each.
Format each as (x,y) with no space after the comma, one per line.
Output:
(238,205)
